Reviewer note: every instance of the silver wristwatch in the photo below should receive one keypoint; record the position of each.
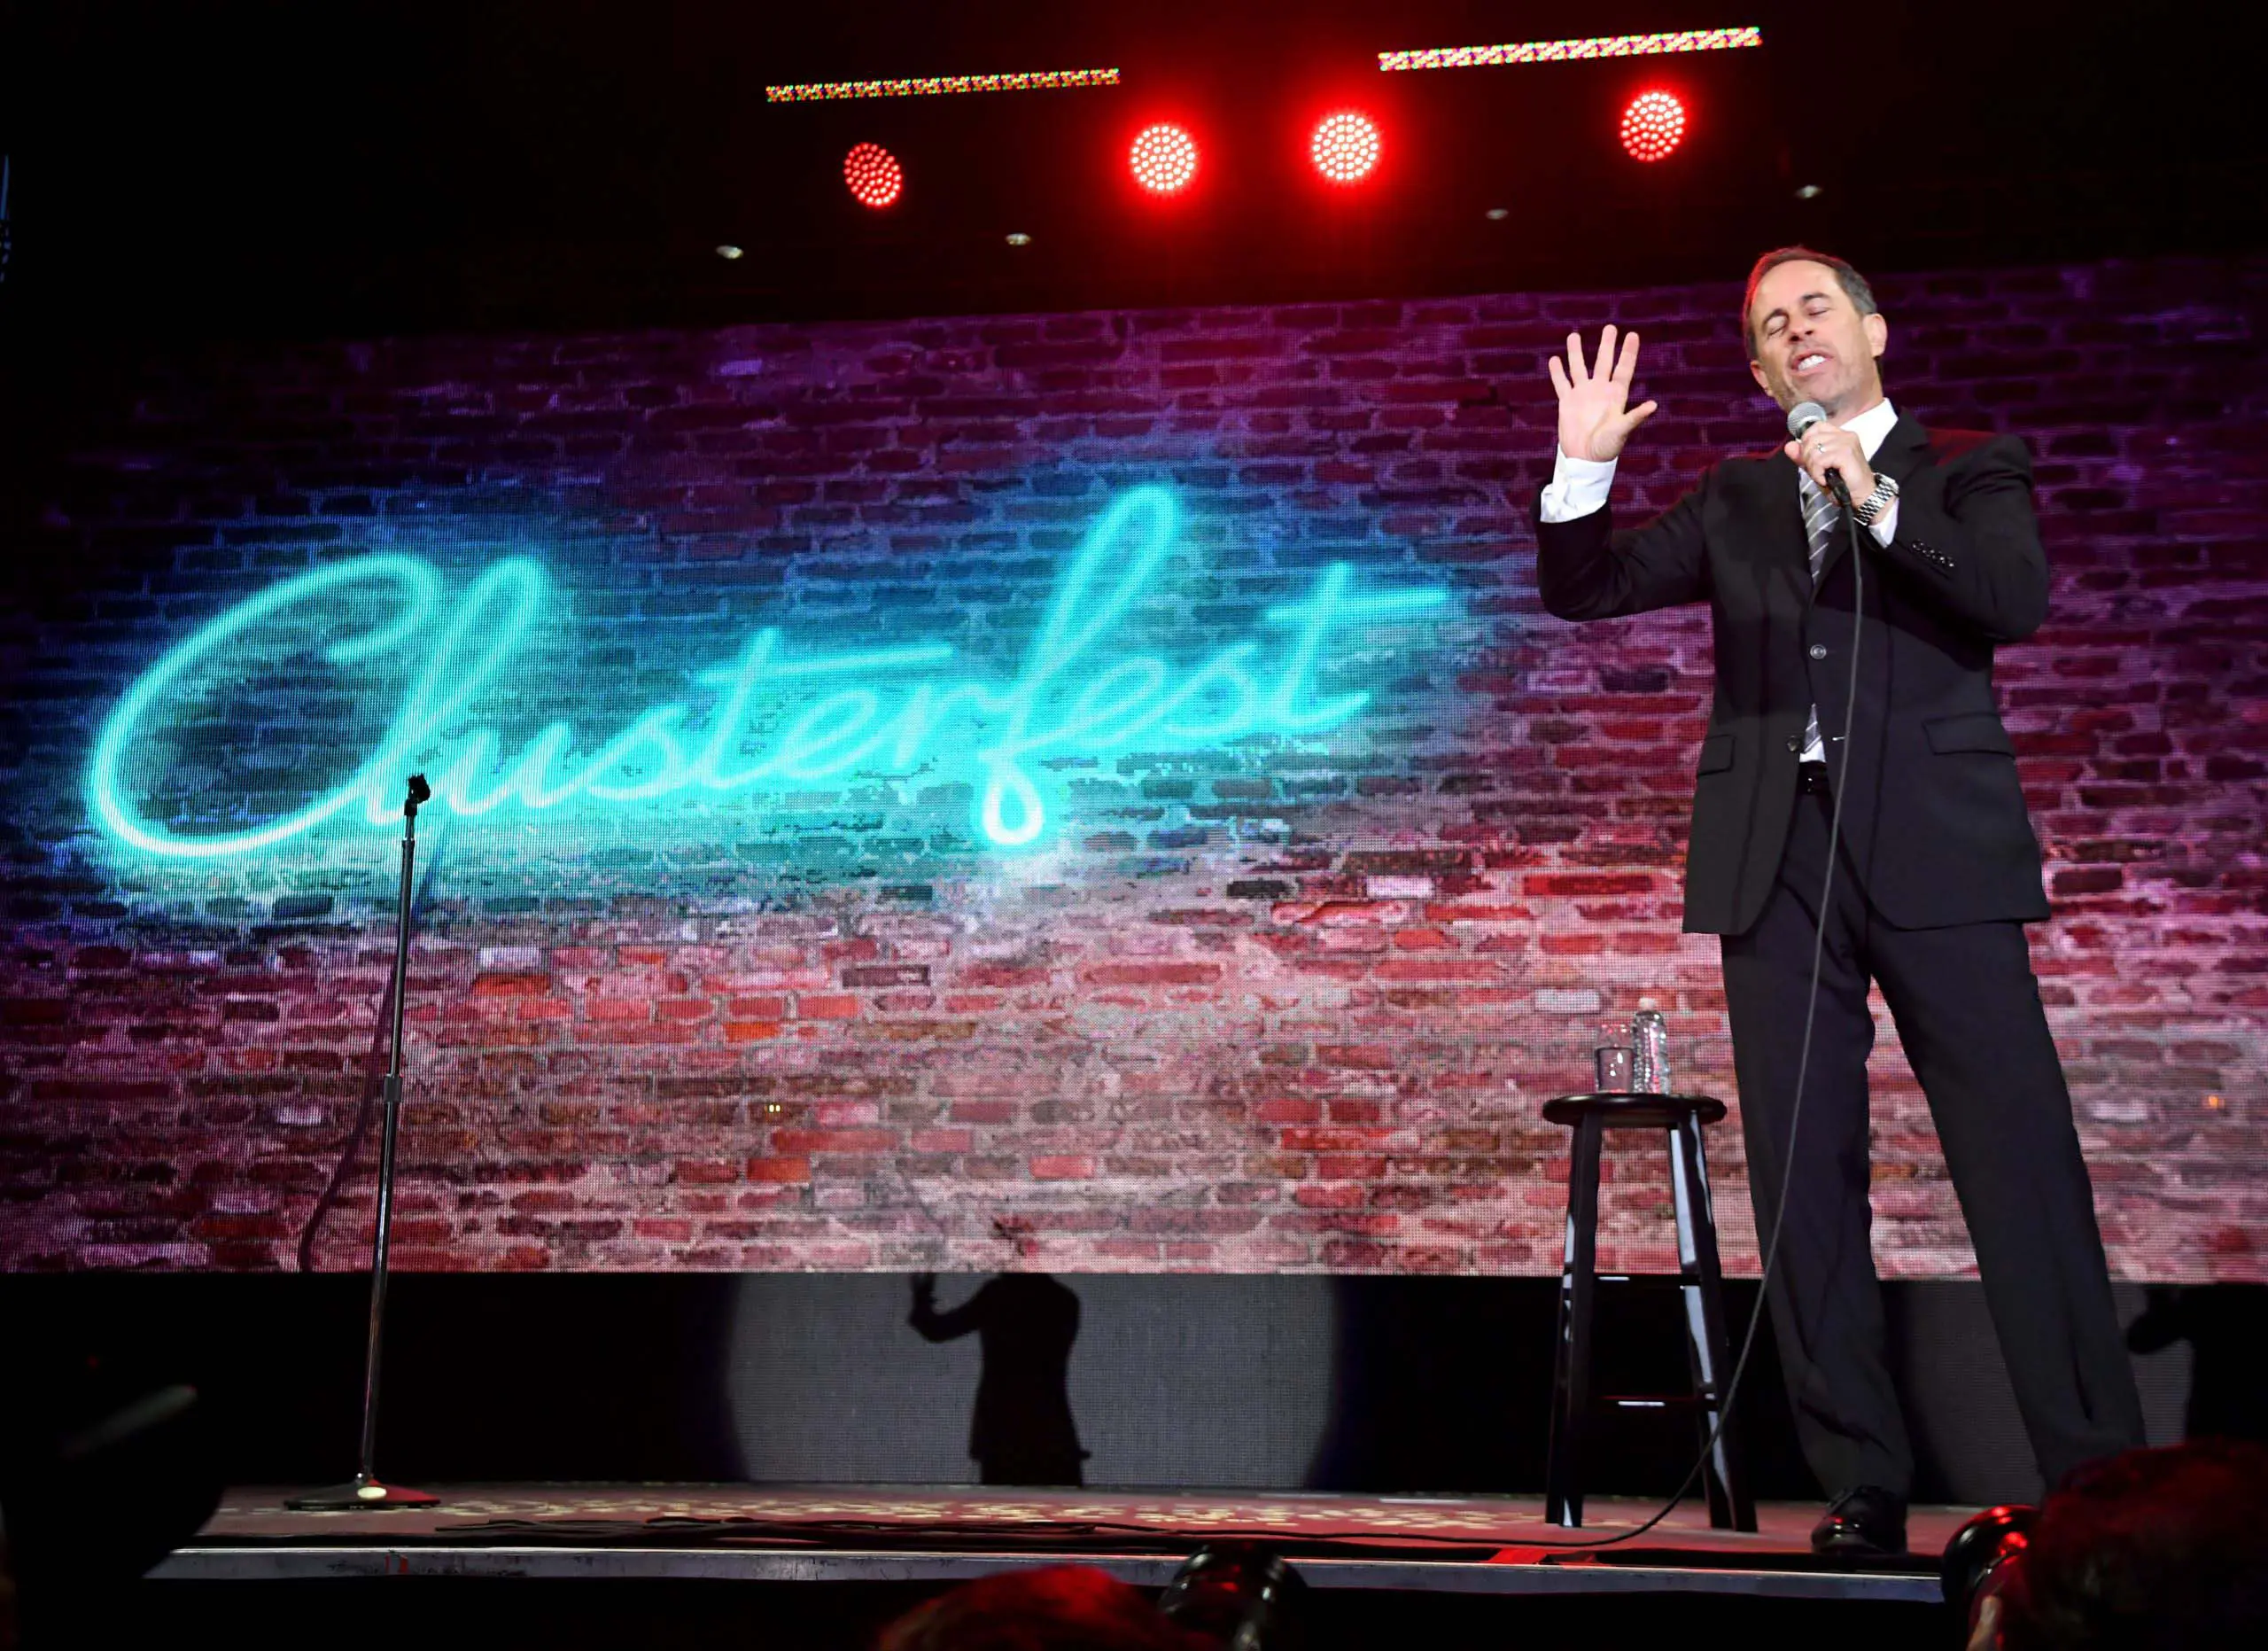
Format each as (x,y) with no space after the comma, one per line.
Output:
(1869,510)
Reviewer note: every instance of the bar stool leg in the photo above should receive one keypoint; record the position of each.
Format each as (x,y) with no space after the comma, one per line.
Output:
(1730,1505)
(1570,1376)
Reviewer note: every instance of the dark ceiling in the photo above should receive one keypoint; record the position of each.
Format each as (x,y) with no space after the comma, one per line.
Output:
(185,169)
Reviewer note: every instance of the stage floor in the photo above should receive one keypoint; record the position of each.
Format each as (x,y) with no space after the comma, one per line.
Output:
(1466,1545)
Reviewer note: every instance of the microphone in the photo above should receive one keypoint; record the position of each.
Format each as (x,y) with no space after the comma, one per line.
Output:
(1801,417)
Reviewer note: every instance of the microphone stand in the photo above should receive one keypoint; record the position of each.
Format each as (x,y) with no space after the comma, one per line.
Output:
(366,1489)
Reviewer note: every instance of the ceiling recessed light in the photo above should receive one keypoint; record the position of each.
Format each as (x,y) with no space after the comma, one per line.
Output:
(728,252)
(1017,238)
(1810,191)
(1497,215)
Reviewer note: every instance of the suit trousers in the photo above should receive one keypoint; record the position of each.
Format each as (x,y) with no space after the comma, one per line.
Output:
(1969,1013)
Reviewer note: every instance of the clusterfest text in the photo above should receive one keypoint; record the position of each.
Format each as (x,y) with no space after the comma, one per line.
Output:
(825,716)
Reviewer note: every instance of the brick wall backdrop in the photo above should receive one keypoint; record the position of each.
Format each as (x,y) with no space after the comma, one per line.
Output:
(1286,1002)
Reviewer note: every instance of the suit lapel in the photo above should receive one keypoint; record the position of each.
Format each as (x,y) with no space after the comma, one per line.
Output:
(1902,454)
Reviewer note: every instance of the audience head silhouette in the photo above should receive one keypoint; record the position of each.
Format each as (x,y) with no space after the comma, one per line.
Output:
(1063,1608)
(2158,1548)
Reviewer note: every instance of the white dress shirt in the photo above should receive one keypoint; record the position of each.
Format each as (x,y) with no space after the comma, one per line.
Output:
(1580,487)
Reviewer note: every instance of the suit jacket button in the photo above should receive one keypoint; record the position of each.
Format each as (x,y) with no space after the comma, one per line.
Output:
(1819,650)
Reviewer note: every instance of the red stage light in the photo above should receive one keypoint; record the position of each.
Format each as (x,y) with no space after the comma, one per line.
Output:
(873,174)
(1164,158)
(1344,148)
(1653,125)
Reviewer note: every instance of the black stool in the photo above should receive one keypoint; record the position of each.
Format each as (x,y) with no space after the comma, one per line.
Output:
(1697,1279)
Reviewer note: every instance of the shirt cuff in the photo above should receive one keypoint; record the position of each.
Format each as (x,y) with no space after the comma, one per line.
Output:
(1578,487)
(1885,527)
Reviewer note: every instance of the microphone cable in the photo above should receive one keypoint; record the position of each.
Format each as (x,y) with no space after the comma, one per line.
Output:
(1731,1388)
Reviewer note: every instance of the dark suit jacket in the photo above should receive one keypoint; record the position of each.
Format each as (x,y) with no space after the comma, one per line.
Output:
(1933,814)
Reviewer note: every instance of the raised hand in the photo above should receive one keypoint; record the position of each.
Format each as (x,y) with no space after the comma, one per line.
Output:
(1593,418)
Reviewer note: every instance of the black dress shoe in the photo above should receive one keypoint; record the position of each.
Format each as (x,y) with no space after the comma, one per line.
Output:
(1868,1522)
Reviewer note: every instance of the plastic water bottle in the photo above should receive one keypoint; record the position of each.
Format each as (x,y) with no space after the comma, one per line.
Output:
(1649,1050)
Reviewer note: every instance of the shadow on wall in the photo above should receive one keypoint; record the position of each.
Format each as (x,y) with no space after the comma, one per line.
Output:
(1266,1382)
(2226,1328)
(1970,1443)
(1278,1382)
(1203,1381)
(1444,1384)
(1021,1431)
(1263,1382)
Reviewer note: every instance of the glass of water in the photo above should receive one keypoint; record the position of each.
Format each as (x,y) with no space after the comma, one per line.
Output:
(1611,1056)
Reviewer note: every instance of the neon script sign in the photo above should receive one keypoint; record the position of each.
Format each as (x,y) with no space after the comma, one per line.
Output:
(813,717)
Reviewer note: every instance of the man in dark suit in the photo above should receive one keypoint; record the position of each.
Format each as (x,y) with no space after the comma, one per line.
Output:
(1935,866)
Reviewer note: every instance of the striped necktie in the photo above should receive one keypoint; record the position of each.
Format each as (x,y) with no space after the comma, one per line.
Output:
(1821,518)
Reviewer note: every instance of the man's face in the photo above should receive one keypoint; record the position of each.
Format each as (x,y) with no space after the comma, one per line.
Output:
(1810,343)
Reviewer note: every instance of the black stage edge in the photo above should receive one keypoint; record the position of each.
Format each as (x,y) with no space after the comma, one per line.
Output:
(474,1615)
(1352,1384)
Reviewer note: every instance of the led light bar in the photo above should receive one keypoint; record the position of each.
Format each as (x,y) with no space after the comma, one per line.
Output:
(1572,51)
(940,85)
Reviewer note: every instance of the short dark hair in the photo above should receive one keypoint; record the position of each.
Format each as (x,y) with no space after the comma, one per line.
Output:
(1854,284)
(2156,1548)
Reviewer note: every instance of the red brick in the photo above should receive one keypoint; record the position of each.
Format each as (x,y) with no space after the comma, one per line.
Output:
(510,986)
(1152,974)
(694,1172)
(808,1141)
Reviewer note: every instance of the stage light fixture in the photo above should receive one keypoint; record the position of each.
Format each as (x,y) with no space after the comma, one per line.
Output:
(1572,51)
(1345,147)
(729,252)
(1163,158)
(941,85)
(873,175)
(1652,126)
